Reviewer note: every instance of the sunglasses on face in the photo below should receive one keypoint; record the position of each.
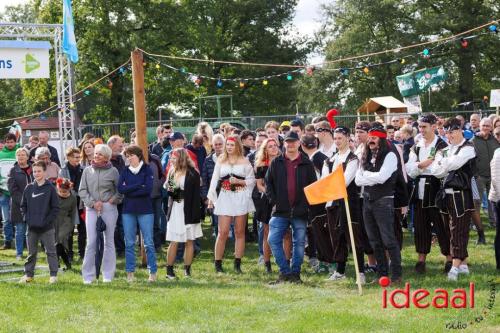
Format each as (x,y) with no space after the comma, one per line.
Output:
(319,130)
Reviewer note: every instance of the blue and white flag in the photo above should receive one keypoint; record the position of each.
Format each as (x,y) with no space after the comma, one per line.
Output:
(69,41)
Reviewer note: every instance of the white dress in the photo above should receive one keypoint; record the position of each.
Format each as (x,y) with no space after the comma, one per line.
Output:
(232,203)
(177,230)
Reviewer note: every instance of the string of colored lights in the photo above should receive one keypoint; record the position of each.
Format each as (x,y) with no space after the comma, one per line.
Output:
(197,78)
(121,69)
(492,26)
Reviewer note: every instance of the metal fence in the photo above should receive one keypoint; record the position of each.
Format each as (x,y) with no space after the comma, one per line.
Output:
(188,126)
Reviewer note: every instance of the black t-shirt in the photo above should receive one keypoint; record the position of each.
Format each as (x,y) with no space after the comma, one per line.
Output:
(261,172)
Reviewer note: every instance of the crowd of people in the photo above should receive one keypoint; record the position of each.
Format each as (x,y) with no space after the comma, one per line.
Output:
(430,176)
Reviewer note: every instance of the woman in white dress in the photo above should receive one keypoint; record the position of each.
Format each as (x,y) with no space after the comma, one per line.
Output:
(230,195)
(183,186)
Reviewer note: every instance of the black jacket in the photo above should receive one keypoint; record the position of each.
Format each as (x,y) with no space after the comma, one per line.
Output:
(40,206)
(277,190)
(192,197)
(16,182)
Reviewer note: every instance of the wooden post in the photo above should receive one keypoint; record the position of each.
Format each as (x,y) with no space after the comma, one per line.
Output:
(140,114)
(139,102)
(353,246)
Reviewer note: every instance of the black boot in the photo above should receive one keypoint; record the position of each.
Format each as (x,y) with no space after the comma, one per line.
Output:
(170,273)
(7,245)
(237,265)
(218,266)
(187,270)
(61,252)
(481,240)
(268,267)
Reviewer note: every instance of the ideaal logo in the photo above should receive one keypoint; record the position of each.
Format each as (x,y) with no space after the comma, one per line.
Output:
(422,298)
(440,299)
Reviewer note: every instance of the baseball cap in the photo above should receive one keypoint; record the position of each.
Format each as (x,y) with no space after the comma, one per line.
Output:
(292,136)
(176,136)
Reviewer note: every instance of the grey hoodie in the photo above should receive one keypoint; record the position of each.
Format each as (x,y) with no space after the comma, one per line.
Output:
(99,184)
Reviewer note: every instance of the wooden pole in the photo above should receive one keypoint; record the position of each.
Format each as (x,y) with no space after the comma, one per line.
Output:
(353,246)
(139,102)
(140,114)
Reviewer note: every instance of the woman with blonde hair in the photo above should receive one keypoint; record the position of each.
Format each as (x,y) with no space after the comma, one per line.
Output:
(205,130)
(87,152)
(183,186)
(230,194)
(268,150)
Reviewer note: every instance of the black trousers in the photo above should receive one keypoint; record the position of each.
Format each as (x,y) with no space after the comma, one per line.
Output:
(379,223)
(322,239)
(497,235)
(459,230)
(425,219)
(365,243)
(341,241)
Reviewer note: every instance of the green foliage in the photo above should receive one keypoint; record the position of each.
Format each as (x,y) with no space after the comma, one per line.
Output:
(239,30)
(360,27)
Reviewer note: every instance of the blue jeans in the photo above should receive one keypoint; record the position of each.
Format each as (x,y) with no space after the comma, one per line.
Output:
(20,238)
(145,222)
(160,222)
(278,226)
(8,228)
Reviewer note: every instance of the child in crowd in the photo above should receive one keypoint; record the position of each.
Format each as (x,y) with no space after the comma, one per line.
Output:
(39,207)
(64,224)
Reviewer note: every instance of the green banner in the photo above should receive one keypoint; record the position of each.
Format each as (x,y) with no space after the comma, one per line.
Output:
(417,82)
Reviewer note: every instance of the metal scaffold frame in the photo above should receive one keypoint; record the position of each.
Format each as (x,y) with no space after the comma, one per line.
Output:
(64,73)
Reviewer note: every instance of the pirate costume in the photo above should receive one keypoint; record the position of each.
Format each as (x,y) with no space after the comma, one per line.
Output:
(423,194)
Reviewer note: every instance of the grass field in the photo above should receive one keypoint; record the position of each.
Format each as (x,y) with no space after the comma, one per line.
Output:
(242,303)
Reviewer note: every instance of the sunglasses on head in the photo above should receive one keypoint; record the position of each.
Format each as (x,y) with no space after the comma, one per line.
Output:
(319,130)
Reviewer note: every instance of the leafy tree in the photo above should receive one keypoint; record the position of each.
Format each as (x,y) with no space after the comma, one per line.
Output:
(361,27)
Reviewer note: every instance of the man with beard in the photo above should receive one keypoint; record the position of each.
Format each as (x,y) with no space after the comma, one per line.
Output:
(378,174)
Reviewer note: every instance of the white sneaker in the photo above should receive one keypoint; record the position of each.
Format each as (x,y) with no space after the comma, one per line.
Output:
(362,278)
(53,279)
(261,260)
(25,279)
(87,282)
(106,280)
(453,274)
(463,269)
(336,276)
(19,258)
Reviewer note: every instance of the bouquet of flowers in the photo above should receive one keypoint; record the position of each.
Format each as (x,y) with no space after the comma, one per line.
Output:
(173,190)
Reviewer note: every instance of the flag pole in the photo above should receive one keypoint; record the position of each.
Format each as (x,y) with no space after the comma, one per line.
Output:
(353,247)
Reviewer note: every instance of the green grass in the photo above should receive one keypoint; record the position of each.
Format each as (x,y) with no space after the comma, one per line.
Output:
(239,303)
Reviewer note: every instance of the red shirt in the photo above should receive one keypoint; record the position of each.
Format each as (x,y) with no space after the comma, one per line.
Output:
(291,182)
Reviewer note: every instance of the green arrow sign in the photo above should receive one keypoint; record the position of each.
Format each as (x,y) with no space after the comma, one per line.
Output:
(30,63)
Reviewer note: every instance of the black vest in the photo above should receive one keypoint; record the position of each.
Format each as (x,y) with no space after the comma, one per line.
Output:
(462,198)
(352,189)
(432,183)
(378,191)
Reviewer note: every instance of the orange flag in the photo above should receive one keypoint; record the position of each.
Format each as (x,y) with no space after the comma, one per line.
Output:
(327,189)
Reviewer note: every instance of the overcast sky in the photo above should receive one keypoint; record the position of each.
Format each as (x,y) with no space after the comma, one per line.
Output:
(306,18)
